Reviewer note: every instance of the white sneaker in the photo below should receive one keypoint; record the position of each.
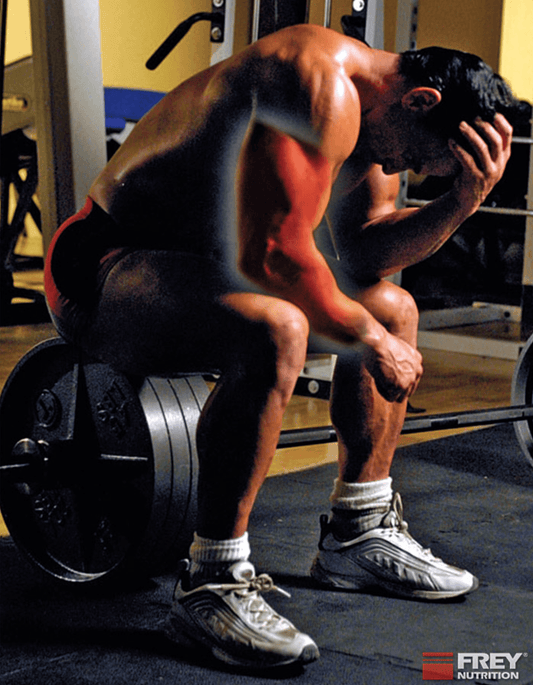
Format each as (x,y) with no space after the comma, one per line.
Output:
(234,623)
(390,558)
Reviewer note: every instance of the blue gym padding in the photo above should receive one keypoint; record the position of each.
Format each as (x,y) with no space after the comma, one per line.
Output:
(127,104)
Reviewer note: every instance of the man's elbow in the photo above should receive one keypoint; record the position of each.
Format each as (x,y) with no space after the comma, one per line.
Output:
(274,270)
(254,269)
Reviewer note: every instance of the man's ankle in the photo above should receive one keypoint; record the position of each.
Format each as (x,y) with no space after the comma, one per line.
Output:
(359,507)
(211,559)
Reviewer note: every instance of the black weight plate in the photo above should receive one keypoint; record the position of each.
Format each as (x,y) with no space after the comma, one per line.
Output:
(33,406)
(114,495)
(172,408)
(77,516)
(522,393)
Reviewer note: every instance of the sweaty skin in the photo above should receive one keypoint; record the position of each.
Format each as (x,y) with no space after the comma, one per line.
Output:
(239,164)
(296,153)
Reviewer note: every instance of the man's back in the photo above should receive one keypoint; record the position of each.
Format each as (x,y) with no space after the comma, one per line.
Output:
(173,176)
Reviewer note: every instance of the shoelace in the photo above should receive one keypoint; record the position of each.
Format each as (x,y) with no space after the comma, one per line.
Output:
(260,583)
(394,519)
(395,522)
(254,604)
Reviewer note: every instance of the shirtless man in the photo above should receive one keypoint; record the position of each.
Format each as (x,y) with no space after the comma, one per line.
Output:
(195,250)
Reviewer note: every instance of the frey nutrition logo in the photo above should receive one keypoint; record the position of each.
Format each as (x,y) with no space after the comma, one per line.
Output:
(437,666)
(471,666)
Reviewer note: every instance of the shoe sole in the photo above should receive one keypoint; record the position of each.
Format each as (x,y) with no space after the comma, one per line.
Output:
(341,582)
(182,635)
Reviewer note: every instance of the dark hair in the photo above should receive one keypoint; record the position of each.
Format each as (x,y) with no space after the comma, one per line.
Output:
(469,87)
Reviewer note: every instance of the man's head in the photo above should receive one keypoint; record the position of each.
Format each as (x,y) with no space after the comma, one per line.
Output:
(467,86)
(440,89)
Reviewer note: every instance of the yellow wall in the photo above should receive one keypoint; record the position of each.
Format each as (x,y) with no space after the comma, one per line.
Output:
(18,38)
(130,34)
(497,30)
(131,31)
(470,25)
(516,57)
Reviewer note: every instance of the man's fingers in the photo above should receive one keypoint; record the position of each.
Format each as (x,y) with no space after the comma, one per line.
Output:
(498,136)
(481,148)
(488,153)
(457,150)
(464,157)
(504,128)
(394,394)
(489,142)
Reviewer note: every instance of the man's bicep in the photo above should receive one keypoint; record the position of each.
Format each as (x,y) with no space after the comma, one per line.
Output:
(284,187)
(277,168)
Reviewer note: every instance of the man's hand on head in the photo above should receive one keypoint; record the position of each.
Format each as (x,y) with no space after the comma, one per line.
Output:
(483,166)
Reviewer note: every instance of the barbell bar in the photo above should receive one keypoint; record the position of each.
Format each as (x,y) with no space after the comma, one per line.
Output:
(299,437)
(520,413)
(98,471)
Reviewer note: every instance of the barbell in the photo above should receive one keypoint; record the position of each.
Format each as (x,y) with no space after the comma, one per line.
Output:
(98,470)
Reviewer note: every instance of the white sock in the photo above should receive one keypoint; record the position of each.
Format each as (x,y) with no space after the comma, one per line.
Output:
(359,507)
(359,496)
(210,558)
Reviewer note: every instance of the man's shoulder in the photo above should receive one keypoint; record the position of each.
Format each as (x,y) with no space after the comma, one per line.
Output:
(302,33)
(308,47)
(306,64)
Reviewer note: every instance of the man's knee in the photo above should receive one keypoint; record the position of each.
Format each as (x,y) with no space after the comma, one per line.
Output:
(289,331)
(272,333)
(404,310)
(393,307)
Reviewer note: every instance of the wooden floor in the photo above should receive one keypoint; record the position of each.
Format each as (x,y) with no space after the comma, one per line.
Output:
(451,382)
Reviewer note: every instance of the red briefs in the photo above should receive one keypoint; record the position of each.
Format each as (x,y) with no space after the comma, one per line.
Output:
(82,253)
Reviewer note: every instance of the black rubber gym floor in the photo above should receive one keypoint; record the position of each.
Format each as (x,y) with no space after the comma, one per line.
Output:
(468,497)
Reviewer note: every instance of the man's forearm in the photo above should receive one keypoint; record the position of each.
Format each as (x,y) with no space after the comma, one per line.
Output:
(310,285)
(395,241)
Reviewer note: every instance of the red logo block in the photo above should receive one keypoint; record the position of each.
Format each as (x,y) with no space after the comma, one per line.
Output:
(437,666)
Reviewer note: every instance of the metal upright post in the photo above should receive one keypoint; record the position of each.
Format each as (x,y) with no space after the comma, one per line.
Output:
(69,95)
(406,25)
(374,24)
(327,13)
(527,268)
(223,50)
(272,15)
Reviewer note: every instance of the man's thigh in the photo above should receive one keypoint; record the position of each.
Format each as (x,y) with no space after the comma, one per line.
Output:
(381,297)
(163,312)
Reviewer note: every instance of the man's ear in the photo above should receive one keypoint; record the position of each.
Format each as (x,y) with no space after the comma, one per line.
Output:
(420,100)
